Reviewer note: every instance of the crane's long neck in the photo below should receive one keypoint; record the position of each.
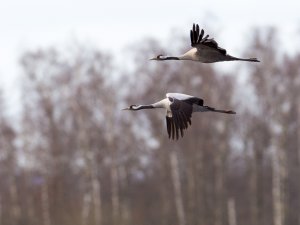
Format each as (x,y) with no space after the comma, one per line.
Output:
(161,104)
(139,107)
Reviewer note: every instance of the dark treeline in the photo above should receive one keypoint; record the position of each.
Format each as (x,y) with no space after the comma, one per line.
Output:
(75,158)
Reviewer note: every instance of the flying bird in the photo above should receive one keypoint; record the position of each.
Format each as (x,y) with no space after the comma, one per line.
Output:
(204,49)
(179,109)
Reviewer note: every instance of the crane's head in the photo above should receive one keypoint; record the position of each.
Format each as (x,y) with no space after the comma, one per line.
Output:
(132,107)
(159,57)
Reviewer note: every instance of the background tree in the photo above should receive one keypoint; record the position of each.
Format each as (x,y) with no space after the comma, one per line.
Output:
(76,158)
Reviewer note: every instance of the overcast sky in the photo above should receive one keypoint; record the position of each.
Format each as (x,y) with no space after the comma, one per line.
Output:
(110,25)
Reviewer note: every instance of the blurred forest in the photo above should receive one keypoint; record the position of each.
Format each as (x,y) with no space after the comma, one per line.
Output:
(75,158)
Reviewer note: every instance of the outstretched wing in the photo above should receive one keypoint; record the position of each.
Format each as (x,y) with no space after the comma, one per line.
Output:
(198,39)
(179,118)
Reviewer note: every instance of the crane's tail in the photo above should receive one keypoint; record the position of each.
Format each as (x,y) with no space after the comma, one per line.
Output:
(219,110)
(232,58)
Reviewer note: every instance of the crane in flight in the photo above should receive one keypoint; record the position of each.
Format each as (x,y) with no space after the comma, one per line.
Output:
(204,49)
(179,108)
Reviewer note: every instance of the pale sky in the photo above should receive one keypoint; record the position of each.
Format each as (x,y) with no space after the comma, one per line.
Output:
(111,25)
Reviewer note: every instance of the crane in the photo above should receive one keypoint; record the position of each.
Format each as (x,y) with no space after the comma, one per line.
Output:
(179,108)
(204,49)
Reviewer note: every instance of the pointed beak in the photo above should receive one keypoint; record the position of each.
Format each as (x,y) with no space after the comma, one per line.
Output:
(153,58)
(127,108)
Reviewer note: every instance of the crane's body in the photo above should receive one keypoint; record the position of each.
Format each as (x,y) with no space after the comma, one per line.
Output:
(179,108)
(204,49)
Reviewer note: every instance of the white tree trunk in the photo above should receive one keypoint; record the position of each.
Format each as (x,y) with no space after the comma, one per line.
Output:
(114,176)
(92,197)
(96,193)
(231,212)
(219,187)
(124,203)
(177,188)
(86,208)
(277,191)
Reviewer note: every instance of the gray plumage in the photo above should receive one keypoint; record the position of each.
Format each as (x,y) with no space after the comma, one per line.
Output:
(204,49)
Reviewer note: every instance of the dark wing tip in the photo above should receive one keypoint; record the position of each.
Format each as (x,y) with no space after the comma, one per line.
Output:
(181,117)
(192,38)
(196,35)
(175,127)
(168,126)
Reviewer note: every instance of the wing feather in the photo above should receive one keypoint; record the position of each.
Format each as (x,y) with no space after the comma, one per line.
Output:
(198,40)
(194,100)
(192,37)
(168,126)
(200,36)
(184,120)
(173,129)
(180,117)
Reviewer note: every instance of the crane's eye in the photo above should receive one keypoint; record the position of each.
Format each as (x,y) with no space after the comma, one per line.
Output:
(159,56)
